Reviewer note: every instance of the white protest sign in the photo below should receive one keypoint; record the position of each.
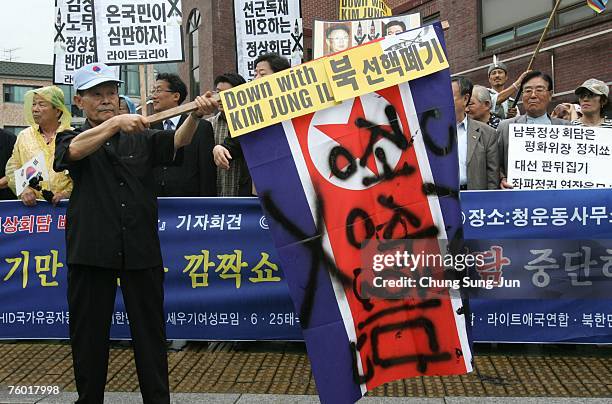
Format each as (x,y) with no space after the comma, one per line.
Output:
(74,42)
(35,168)
(138,31)
(335,36)
(273,26)
(558,156)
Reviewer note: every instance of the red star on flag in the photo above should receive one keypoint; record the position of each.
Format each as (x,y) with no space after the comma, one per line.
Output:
(353,138)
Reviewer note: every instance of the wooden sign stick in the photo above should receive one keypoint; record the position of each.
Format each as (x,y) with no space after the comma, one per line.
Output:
(169,113)
(537,49)
(143,89)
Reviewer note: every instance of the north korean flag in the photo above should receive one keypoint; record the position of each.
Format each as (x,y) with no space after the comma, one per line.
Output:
(368,170)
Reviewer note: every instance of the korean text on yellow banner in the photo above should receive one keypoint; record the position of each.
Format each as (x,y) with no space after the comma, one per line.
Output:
(284,95)
(361,9)
(384,63)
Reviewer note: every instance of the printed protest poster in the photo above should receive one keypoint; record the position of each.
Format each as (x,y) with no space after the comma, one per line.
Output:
(278,97)
(74,41)
(34,169)
(373,170)
(360,9)
(138,31)
(336,36)
(267,27)
(325,82)
(559,156)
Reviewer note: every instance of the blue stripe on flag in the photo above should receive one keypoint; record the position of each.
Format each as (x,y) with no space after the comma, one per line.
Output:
(330,356)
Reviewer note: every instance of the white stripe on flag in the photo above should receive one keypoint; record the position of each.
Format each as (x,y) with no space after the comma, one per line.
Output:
(436,211)
(343,305)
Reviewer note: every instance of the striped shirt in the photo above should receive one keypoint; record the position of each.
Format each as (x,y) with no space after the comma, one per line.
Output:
(228,181)
(607,123)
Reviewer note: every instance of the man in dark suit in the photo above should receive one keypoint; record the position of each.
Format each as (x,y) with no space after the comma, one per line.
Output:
(476,143)
(537,94)
(196,175)
(265,65)
(7,141)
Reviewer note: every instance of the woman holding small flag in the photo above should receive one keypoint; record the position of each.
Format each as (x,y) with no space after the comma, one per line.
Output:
(47,115)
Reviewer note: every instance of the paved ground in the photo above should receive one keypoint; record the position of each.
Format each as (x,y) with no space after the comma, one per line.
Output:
(279,372)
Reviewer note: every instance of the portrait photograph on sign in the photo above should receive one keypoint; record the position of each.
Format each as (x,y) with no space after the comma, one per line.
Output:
(335,36)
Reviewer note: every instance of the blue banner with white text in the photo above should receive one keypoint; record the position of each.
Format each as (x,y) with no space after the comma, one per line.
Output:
(557,246)
(222,282)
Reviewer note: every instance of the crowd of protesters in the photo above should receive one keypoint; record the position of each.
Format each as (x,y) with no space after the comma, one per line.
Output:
(116,157)
(214,166)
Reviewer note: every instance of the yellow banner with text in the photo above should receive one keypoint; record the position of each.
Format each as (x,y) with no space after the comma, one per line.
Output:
(362,9)
(325,82)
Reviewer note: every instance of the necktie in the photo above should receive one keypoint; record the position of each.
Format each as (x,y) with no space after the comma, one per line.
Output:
(168,124)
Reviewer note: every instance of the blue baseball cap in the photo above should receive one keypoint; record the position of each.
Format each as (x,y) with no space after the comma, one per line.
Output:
(93,74)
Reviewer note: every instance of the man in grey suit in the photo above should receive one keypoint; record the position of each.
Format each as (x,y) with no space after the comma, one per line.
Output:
(477,143)
(537,94)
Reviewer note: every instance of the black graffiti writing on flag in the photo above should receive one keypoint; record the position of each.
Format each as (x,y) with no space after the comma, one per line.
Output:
(314,244)
(402,219)
(401,216)
(396,136)
(420,357)
(439,150)
(396,230)
(428,138)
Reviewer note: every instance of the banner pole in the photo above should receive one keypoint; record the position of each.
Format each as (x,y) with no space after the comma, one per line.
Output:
(537,49)
(143,90)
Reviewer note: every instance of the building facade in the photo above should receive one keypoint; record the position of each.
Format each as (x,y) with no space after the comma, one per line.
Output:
(577,47)
(18,78)
(15,80)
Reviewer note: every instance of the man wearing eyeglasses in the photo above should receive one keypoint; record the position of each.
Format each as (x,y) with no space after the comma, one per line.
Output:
(537,94)
(338,38)
(196,174)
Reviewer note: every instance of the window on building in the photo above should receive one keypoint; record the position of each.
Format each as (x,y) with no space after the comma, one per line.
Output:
(14,129)
(194,53)
(131,81)
(15,93)
(431,19)
(503,22)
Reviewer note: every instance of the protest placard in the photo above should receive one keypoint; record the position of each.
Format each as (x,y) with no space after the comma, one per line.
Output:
(74,41)
(297,91)
(393,60)
(558,156)
(335,36)
(325,82)
(138,31)
(359,9)
(267,27)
